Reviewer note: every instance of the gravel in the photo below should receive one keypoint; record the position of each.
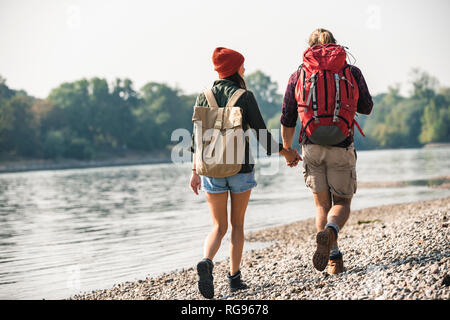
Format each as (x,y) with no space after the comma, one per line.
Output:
(390,252)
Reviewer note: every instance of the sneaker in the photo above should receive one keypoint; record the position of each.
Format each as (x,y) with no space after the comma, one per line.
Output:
(236,283)
(336,264)
(325,240)
(205,282)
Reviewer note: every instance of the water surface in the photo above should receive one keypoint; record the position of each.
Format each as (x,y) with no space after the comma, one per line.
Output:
(69,231)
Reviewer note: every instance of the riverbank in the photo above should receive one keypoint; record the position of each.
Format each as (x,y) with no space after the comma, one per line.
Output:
(390,252)
(442,182)
(127,159)
(11,163)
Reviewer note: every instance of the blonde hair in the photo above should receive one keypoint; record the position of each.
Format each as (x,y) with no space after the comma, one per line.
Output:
(321,36)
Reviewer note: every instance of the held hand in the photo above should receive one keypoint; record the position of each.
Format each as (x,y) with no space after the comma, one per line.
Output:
(195,183)
(292,157)
(297,159)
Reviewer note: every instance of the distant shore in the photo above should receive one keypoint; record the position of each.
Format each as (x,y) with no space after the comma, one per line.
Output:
(394,252)
(126,159)
(441,182)
(437,145)
(59,164)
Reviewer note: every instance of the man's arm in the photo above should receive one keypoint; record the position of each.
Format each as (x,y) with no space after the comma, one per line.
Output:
(289,113)
(289,116)
(365,103)
(287,134)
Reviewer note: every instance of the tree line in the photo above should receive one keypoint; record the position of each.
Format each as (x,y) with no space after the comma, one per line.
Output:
(91,118)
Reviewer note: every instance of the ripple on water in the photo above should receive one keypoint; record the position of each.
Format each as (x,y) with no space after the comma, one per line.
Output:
(77,230)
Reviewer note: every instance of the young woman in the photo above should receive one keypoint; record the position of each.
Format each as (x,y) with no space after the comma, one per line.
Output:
(229,65)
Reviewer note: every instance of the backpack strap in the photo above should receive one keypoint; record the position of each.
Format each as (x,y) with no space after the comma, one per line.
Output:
(219,120)
(304,82)
(301,71)
(359,128)
(235,97)
(212,102)
(337,99)
(312,94)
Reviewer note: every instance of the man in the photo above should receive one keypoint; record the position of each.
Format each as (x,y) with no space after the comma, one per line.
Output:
(328,168)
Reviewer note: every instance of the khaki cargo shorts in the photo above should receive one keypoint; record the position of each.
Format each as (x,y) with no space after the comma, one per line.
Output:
(330,168)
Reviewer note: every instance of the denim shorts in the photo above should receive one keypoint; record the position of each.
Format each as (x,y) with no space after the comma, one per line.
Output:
(237,183)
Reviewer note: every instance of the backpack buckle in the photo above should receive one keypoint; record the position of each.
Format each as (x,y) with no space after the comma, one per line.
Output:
(218,124)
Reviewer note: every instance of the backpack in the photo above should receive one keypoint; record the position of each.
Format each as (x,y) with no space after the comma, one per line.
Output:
(219,137)
(327,95)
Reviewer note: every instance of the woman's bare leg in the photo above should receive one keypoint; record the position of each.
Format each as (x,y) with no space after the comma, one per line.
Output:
(218,207)
(239,202)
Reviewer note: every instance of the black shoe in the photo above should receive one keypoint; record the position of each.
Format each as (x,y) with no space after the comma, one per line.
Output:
(205,282)
(236,283)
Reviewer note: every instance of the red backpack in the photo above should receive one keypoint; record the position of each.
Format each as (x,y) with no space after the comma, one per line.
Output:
(327,95)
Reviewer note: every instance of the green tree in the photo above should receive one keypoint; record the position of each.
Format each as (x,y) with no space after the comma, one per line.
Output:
(54,144)
(18,131)
(123,100)
(73,99)
(168,109)
(435,124)
(6,115)
(265,91)
(79,148)
(424,85)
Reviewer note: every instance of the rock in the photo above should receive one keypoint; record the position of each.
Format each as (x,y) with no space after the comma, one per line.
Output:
(434,269)
(411,262)
(446,280)
(406,267)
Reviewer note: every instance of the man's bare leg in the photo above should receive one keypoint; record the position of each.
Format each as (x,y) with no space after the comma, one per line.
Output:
(322,200)
(339,212)
(334,216)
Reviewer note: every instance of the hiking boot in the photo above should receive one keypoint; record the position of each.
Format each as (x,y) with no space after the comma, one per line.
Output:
(336,264)
(236,283)
(205,282)
(325,240)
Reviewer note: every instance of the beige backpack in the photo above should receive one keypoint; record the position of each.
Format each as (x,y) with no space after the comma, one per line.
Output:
(219,137)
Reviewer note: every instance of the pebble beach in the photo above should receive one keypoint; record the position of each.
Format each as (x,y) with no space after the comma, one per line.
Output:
(393,252)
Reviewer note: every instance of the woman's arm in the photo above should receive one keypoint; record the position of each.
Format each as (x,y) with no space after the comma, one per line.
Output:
(256,122)
(195,182)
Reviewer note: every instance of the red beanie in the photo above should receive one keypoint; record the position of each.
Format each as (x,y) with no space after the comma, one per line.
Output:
(226,61)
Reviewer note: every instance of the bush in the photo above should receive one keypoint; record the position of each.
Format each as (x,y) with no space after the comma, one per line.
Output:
(54,144)
(79,148)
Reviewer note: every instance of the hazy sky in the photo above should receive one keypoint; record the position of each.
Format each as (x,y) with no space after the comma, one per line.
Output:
(47,42)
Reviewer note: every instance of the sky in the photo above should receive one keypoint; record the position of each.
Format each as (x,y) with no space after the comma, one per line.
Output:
(44,43)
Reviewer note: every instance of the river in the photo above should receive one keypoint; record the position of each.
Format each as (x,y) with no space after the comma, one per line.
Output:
(69,231)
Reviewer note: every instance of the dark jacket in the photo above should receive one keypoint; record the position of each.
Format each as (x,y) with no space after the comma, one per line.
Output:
(223,90)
